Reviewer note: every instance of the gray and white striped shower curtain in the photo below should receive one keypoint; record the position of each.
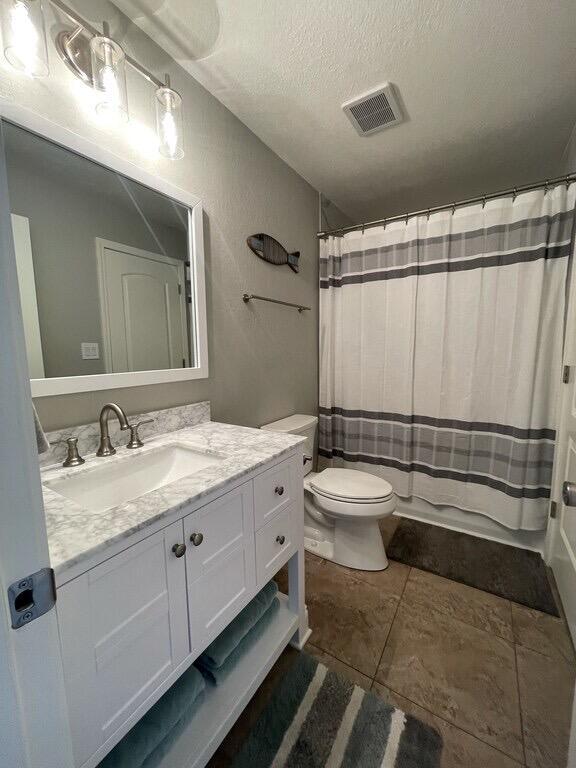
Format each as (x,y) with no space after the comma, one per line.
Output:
(440,352)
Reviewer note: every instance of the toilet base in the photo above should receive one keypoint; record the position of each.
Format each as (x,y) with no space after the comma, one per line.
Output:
(349,544)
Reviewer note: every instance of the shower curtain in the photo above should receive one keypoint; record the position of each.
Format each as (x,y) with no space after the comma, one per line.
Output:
(441,349)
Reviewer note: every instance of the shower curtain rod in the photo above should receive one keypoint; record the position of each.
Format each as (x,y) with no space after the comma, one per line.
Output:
(566,179)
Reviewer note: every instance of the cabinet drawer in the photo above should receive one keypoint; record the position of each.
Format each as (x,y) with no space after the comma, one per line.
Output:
(275,544)
(273,491)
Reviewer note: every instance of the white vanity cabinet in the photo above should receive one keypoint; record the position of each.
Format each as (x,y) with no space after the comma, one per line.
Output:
(132,624)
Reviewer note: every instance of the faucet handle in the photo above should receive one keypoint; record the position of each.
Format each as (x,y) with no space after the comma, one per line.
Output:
(135,441)
(73,458)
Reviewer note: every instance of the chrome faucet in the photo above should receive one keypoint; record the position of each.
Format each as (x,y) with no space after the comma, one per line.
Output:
(106,448)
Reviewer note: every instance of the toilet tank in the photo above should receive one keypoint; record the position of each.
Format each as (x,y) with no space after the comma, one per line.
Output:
(298,424)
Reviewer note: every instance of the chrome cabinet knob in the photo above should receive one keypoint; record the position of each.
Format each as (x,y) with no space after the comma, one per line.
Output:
(569,494)
(280,540)
(179,550)
(279,490)
(196,539)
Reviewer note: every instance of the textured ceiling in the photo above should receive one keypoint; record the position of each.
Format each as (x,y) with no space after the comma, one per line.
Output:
(488,87)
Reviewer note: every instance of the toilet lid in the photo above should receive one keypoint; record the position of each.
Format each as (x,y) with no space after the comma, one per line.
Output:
(351,485)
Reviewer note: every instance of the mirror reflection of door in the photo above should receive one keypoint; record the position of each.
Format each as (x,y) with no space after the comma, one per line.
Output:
(142,298)
(28,301)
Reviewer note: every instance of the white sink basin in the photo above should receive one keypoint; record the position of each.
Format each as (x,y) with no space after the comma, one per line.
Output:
(122,479)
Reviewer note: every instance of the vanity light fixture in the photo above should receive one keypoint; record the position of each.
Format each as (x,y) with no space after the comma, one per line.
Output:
(109,76)
(24,37)
(93,57)
(169,121)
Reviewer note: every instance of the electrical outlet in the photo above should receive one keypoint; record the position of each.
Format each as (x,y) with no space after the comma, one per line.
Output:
(90,350)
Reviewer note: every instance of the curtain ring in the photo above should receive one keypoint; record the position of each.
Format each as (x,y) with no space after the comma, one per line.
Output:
(407,217)
(546,185)
(483,202)
(453,208)
(363,227)
(384,224)
(514,194)
(428,215)
(567,181)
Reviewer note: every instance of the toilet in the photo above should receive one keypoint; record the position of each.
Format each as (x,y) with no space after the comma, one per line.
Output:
(342,507)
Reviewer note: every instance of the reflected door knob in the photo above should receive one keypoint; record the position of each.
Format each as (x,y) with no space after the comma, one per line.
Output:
(569,494)
(196,539)
(179,550)
(280,540)
(279,490)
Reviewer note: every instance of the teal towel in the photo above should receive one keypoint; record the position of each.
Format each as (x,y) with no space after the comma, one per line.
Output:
(217,675)
(158,723)
(226,642)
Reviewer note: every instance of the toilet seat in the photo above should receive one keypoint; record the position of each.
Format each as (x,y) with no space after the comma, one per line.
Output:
(351,486)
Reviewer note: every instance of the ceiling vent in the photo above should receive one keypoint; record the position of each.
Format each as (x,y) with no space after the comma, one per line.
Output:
(374,110)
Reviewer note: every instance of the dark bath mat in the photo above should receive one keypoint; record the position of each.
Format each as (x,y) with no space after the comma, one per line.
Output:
(515,574)
(315,718)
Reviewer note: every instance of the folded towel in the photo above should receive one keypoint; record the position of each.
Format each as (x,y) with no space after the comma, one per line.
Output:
(217,675)
(158,723)
(41,440)
(219,650)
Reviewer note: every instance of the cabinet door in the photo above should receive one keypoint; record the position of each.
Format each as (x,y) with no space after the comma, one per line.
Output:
(124,629)
(221,566)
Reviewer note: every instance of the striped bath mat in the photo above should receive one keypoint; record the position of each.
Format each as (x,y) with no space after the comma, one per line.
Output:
(317,719)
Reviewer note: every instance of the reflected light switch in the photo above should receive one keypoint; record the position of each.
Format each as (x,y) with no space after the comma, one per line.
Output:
(90,350)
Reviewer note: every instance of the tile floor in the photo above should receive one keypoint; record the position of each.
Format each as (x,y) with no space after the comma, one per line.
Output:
(495,678)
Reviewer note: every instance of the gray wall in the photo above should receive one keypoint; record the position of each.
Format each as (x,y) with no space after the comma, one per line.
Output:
(263,358)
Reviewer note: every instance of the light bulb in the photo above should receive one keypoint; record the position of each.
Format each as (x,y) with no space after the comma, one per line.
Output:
(25,38)
(109,78)
(169,122)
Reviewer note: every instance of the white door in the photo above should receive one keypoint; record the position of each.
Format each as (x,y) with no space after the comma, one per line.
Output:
(143,309)
(33,715)
(28,300)
(124,630)
(562,537)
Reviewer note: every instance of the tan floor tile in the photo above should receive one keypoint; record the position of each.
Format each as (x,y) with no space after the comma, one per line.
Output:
(546,690)
(390,582)
(472,606)
(349,618)
(543,633)
(311,563)
(461,673)
(339,667)
(460,749)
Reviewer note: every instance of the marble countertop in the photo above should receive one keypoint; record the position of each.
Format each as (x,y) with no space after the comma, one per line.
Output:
(75,534)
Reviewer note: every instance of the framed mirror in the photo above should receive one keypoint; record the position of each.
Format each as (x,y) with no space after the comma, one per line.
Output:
(110,267)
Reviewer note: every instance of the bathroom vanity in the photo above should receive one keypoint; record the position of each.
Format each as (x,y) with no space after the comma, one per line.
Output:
(143,586)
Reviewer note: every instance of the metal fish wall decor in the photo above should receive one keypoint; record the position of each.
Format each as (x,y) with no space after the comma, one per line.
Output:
(269,249)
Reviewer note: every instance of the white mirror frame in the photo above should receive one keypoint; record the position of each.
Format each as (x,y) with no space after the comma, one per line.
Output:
(62,385)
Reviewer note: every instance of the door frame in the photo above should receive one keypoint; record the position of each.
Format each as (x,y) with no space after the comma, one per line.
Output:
(34,716)
(556,549)
(101,246)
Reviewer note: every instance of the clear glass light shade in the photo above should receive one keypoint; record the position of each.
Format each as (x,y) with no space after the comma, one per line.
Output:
(169,123)
(24,36)
(109,79)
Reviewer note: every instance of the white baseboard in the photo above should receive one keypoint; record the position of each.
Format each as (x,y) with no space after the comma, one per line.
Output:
(469,522)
